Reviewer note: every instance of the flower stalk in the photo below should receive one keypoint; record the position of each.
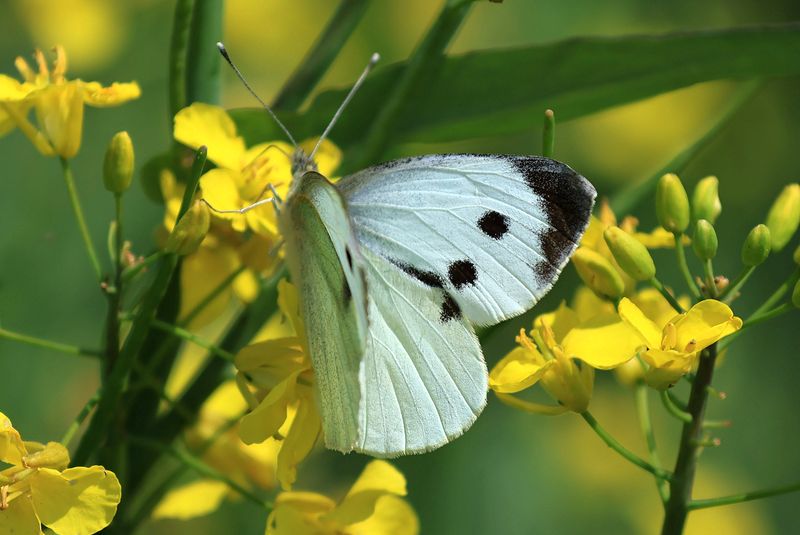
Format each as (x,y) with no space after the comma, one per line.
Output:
(74,200)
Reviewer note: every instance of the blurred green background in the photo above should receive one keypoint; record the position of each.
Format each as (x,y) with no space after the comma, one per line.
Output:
(511,473)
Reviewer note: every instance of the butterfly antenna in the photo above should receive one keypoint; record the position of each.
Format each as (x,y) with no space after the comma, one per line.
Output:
(372,61)
(224,52)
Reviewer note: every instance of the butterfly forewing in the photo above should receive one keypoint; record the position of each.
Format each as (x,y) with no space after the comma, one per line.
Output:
(492,232)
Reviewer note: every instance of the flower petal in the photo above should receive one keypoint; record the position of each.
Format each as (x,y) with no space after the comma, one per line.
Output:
(517,371)
(392,516)
(603,342)
(220,191)
(378,479)
(12,449)
(77,501)
(705,323)
(529,406)
(94,94)
(265,420)
(298,443)
(194,499)
(204,124)
(20,518)
(201,273)
(648,331)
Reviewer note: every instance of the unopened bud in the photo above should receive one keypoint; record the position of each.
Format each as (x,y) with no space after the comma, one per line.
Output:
(705,241)
(598,273)
(118,164)
(630,254)
(190,230)
(705,200)
(756,247)
(784,216)
(672,204)
(52,455)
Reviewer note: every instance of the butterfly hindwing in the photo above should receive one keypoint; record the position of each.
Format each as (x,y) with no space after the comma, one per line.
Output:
(493,231)
(326,265)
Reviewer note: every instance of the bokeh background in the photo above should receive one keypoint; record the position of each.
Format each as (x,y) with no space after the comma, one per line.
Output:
(511,473)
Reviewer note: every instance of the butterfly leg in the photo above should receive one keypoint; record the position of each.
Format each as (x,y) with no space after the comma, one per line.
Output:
(240,210)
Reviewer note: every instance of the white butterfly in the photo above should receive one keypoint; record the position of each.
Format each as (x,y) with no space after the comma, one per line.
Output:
(396,262)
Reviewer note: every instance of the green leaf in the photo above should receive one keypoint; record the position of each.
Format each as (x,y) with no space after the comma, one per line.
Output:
(496,92)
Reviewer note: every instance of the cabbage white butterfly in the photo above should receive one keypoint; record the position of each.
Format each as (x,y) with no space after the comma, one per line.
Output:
(396,262)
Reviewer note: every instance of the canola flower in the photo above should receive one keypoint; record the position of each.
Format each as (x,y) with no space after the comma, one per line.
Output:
(57,102)
(38,488)
(372,506)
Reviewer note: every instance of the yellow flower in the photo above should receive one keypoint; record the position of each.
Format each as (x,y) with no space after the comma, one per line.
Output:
(38,488)
(276,379)
(593,335)
(58,103)
(672,343)
(372,507)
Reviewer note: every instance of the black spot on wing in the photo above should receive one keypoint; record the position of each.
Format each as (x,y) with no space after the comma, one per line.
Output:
(493,224)
(348,293)
(428,278)
(462,273)
(450,309)
(349,257)
(567,199)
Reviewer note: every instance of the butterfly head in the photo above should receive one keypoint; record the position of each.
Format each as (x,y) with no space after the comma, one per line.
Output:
(302,163)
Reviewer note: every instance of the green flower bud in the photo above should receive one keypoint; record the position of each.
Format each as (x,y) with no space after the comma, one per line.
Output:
(190,230)
(672,204)
(598,273)
(784,216)
(756,247)
(704,242)
(705,200)
(630,254)
(118,164)
(796,295)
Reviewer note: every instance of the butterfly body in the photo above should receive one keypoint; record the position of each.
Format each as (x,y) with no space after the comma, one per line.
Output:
(394,265)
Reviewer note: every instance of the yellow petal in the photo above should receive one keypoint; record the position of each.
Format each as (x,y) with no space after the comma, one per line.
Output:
(328,156)
(587,305)
(655,306)
(289,304)
(528,406)
(705,323)
(649,332)
(271,360)
(309,503)
(563,320)
(246,286)
(20,518)
(203,124)
(603,342)
(659,238)
(667,367)
(517,371)
(220,191)
(298,443)
(392,516)
(267,418)
(296,513)
(194,499)
(12,90)
(59,113)
(201,273)
(78,501)
(378,479)
(12,449)
(94,94)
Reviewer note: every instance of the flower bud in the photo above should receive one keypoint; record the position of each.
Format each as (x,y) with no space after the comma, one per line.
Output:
(598,273)
(784,216)
(796,295)
(672,204)
(630,254)
(118,164)
(704,242)
(705,200)
(756,247)
(52,455)
(190,230)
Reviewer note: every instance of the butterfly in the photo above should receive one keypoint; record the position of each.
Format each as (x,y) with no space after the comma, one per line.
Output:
(396,263)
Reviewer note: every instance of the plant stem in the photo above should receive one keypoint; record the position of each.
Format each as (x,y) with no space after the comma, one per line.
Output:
(178,51)
(730,293)
(321,56)
(115,296)
(743,497)
(76,424)
(668,296)
(643,409)
(190,337)
(74,200)
(711,285)
(778,294)
(680,253)
(131,271)
(622,450)
(680,490)
(549,134)
(673,409)
(48,344)
(768,315)
(203,78)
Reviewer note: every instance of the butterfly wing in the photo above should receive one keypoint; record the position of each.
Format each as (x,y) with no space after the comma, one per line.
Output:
(325,264)
(423,377)
(493,232)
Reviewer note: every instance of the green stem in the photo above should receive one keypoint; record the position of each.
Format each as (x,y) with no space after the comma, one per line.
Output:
(768,315)
(419,67)
(76,423)
(203,81)
(178,52)
(549,134)
(680,254)
(131,271)
(321,56)
(74,200)
(731,292)
(655,283)
(673,409)
(115,296)
(190,337)
(743,497)
(627,198)
(680,491)
(5,334)
(643,409)
(711,285)
(778,294)
(200,467)
(622,450)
